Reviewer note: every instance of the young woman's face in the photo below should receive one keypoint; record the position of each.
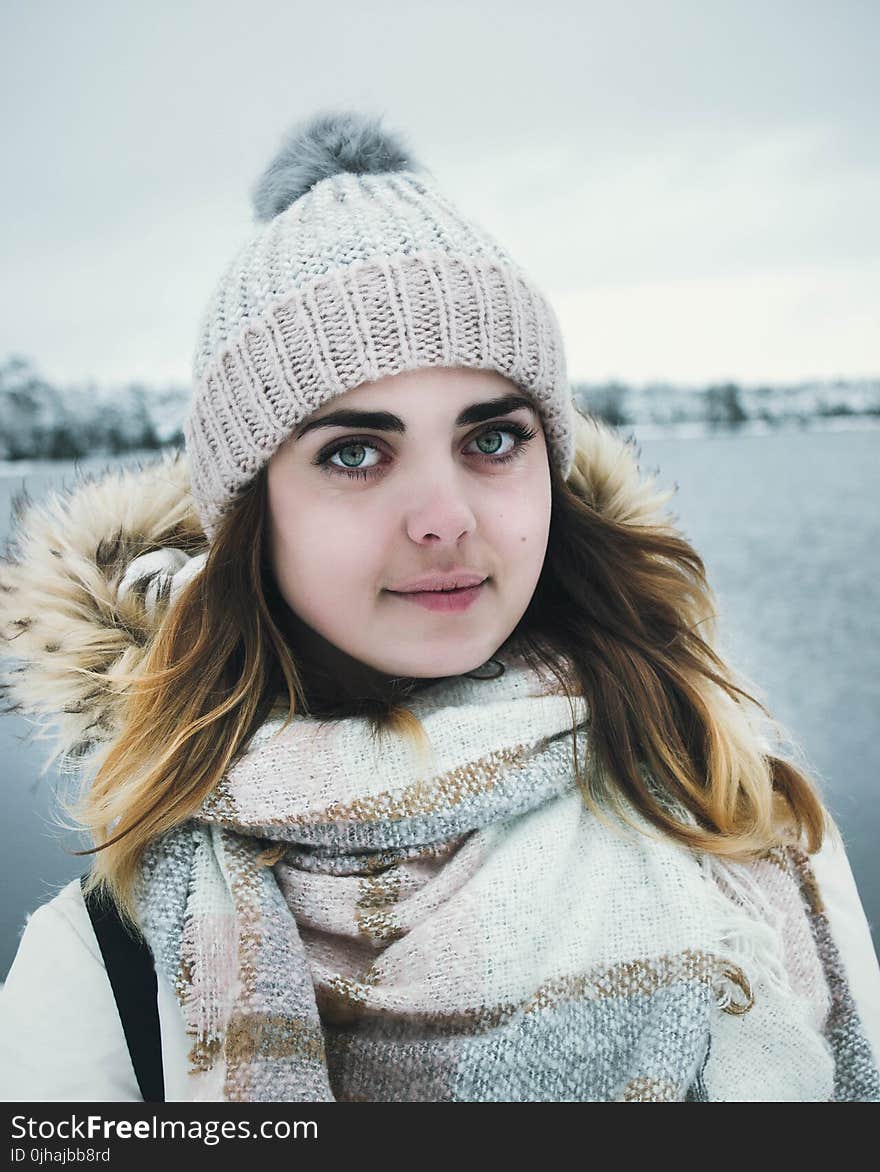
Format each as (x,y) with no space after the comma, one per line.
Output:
(438,481)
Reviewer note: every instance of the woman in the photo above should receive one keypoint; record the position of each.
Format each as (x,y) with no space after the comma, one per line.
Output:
(406,748)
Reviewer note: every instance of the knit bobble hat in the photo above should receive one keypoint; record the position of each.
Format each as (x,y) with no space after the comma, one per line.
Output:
(359,268)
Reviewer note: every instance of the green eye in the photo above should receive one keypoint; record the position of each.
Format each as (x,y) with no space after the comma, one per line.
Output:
(489,442)
(351,447)
(487,436)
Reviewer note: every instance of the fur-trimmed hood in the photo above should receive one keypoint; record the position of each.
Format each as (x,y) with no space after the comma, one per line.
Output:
(90,570)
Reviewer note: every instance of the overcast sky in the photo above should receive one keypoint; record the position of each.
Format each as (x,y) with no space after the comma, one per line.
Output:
(695,185)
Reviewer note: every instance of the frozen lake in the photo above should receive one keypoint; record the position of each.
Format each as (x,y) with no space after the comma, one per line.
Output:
(788,526)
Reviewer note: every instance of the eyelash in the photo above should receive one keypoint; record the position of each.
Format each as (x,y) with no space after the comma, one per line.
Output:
(522,434)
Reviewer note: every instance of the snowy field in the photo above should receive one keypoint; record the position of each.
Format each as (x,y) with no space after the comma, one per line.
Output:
(788,526)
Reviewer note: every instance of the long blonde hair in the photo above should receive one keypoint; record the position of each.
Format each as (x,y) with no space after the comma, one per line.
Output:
(622,614)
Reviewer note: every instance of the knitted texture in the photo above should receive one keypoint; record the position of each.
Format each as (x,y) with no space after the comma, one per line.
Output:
(350,921)
(362,276)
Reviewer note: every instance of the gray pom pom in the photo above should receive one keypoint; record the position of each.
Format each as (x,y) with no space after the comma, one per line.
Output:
(326,145)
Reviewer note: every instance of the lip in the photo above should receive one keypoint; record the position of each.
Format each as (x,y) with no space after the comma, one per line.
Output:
(450,601)
(447,580)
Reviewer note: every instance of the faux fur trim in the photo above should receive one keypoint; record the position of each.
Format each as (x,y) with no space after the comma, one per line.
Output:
(71,620)
(63,615)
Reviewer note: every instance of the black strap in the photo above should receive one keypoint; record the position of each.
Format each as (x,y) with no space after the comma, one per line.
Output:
(133,980)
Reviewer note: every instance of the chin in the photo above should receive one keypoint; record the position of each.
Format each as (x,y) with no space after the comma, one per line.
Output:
(448,662)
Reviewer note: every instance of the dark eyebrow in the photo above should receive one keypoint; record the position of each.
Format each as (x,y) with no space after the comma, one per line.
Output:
(385,421)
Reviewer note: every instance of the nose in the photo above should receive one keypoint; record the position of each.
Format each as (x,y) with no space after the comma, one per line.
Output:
(439,509)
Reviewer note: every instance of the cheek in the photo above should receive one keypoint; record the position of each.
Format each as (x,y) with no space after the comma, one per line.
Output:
(319,552)
(521,524)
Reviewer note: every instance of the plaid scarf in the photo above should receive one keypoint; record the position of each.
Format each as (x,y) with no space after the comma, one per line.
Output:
(350,919)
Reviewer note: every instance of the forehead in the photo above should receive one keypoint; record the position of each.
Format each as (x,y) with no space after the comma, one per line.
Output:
(446,384)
